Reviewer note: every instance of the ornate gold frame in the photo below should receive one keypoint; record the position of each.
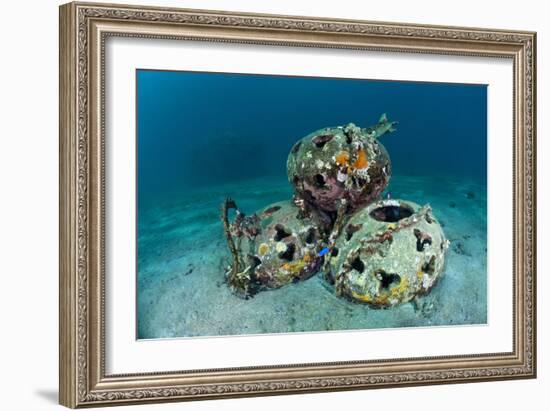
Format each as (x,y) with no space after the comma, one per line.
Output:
(83,30)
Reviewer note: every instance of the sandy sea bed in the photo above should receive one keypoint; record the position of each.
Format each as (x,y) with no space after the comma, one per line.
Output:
(182,257)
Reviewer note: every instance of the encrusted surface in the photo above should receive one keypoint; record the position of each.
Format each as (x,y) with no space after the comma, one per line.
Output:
(390,252)
(345,162)
(275,247)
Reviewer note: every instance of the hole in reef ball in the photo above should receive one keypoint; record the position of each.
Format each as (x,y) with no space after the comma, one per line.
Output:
(321,140)
(387,279)
(391,214)
(311,235)
(358,265)
(351,229)
(288,254)
(296,147)
(319,180)
(281,232)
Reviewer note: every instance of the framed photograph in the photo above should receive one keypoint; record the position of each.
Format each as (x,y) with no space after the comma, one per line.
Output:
(260,204)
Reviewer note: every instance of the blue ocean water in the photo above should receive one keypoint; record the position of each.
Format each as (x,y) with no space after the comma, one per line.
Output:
(203,136)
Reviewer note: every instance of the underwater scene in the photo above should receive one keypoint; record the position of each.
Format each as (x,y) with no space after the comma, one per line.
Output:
(280,204)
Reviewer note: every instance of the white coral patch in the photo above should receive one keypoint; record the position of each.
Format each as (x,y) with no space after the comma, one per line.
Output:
(342,177)
(280,247)
(393,203)
(427,281)
(364,173)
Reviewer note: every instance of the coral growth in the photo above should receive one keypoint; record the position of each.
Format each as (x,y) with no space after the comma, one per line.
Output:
(361,161)
(346,162)
(283,250)
(388,264)
(373,251)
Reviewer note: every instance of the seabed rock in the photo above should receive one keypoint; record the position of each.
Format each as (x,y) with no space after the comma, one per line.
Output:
(374,251)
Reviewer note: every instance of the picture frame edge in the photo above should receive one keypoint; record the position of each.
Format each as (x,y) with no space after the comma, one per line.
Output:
(81,369)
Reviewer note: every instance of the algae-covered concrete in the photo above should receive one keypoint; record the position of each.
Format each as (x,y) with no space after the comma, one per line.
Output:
(380,252)
(390,252)
(335,163)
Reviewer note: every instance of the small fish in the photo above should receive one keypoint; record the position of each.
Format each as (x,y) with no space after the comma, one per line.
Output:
(324,251)
(388,195)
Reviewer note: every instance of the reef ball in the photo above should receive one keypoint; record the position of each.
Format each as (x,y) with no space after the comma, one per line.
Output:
(388,253)
(275,248)
(335,163)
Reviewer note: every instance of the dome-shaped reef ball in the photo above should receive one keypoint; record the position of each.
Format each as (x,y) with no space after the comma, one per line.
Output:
(345,162)
(390,252)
